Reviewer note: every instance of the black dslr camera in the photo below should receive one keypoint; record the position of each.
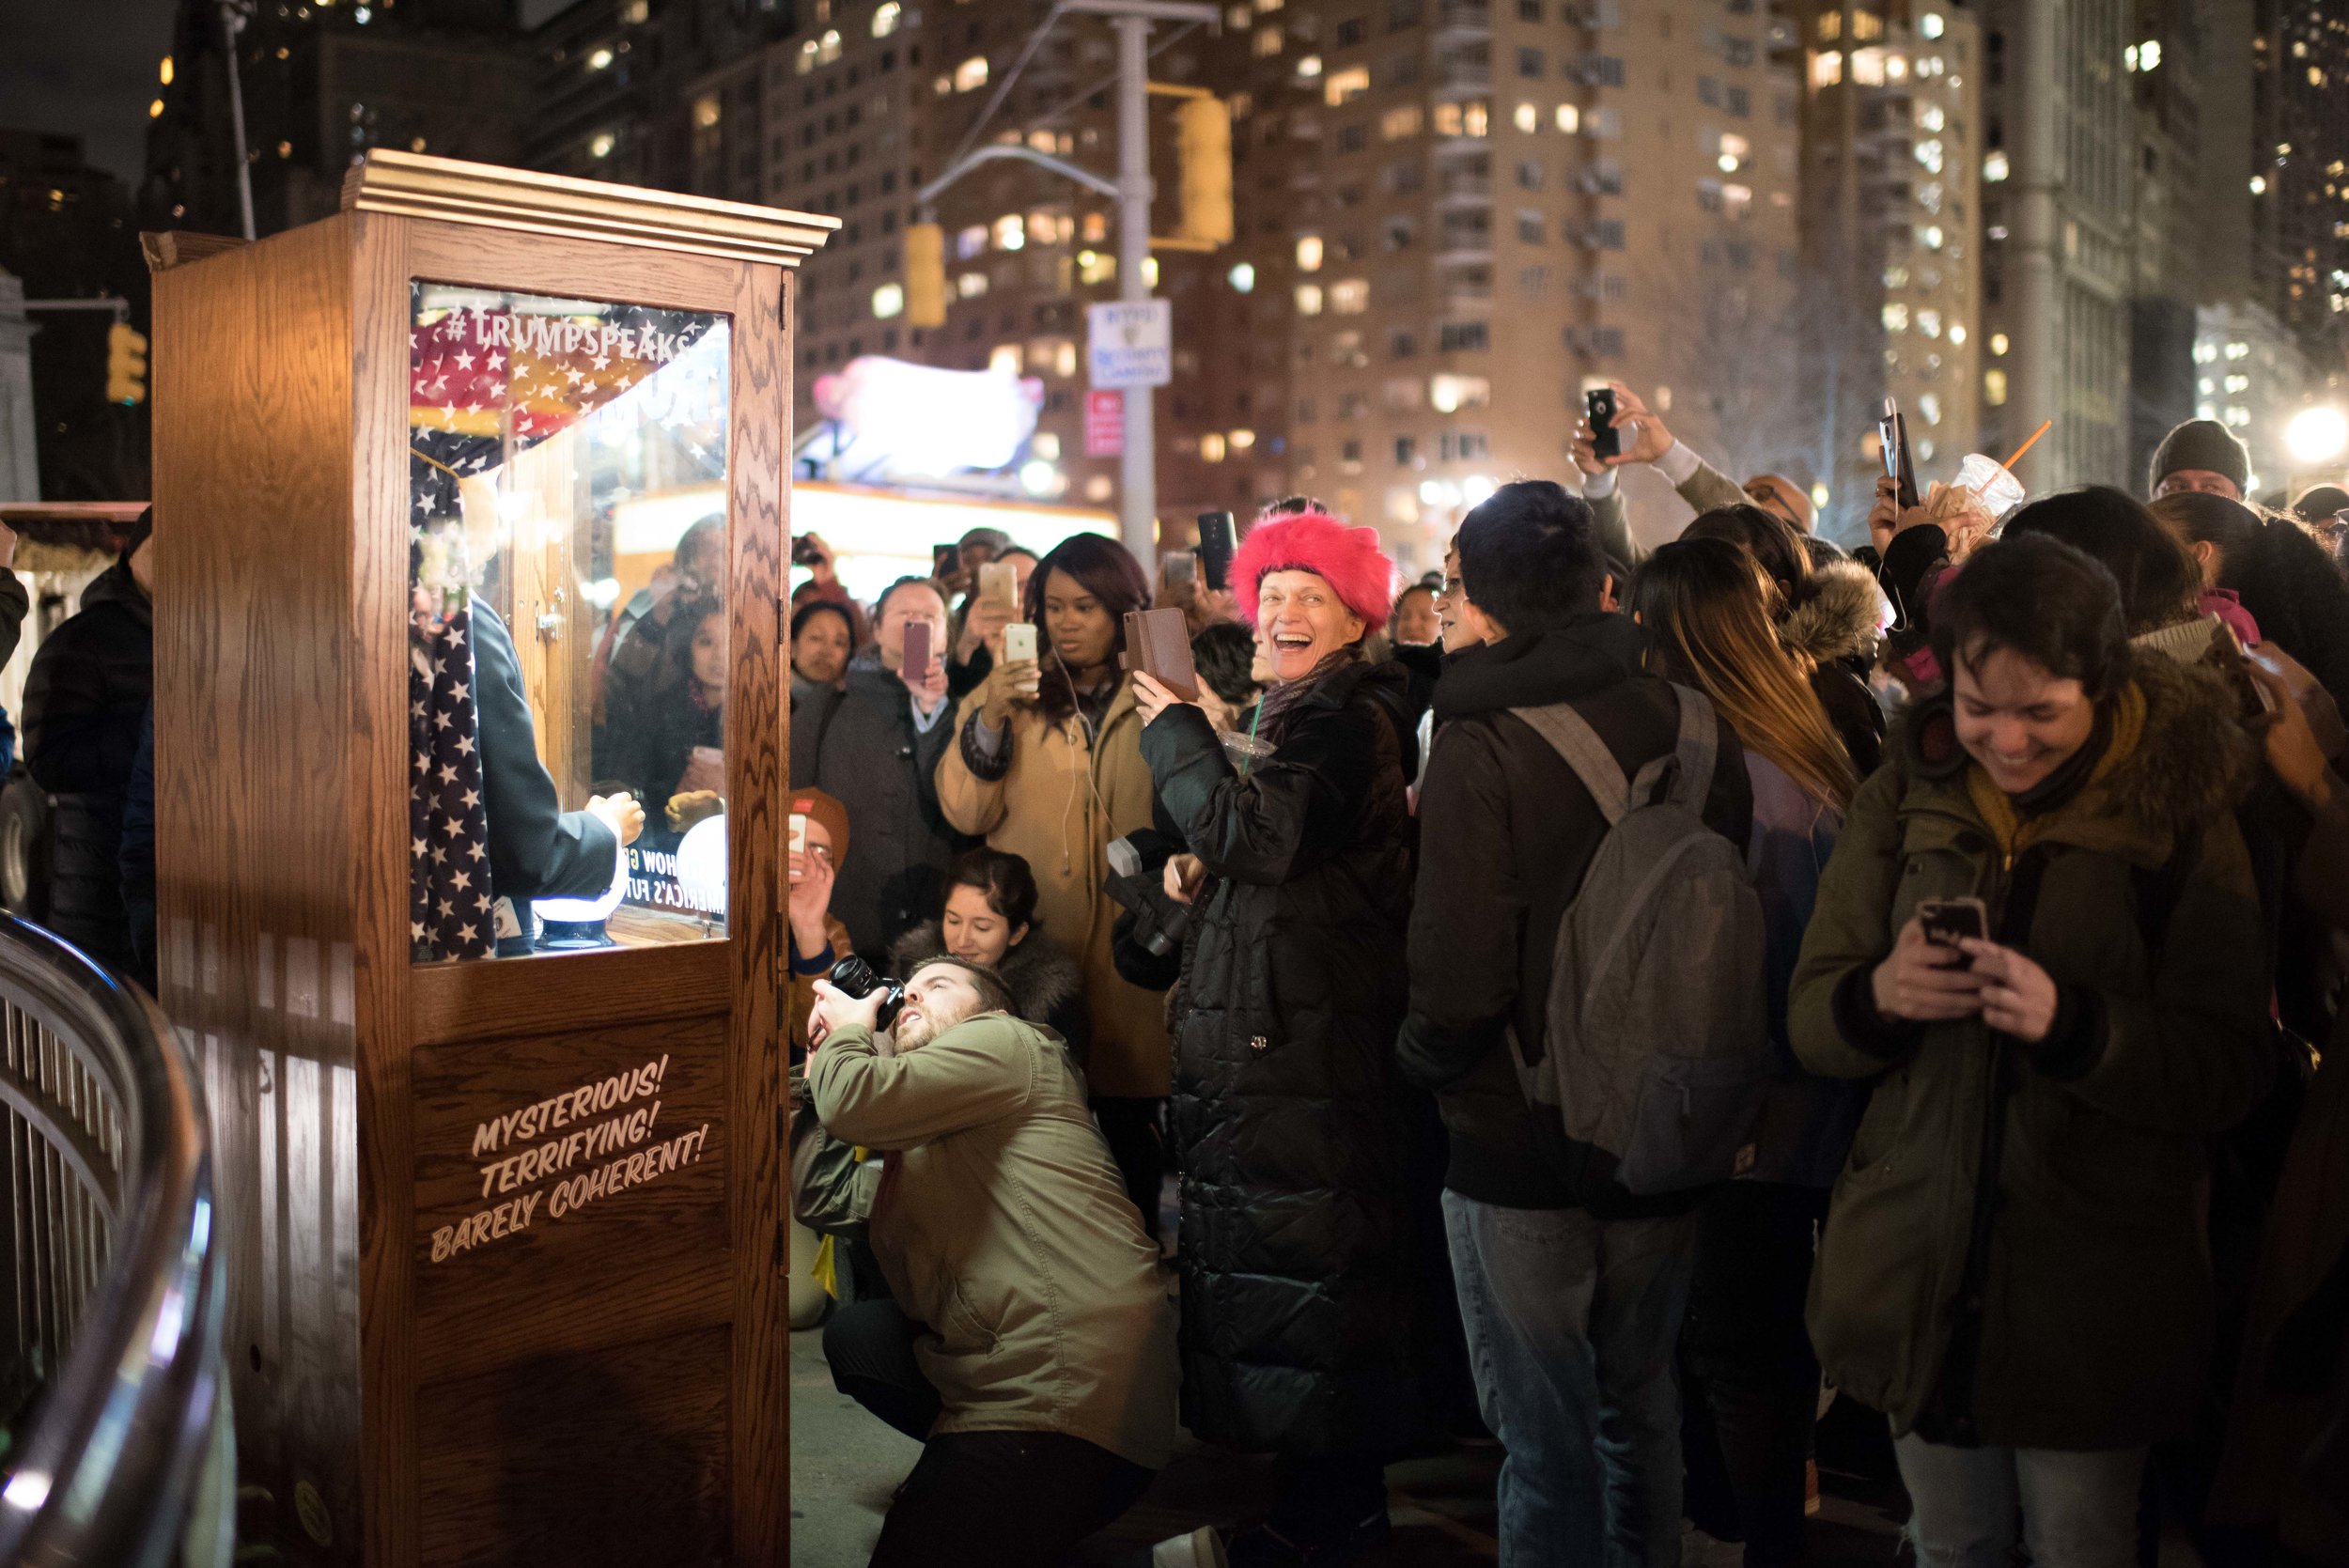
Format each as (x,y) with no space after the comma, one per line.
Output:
(855,976)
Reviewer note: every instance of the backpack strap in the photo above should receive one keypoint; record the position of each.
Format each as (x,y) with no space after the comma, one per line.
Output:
(1571,737)
(1694,755)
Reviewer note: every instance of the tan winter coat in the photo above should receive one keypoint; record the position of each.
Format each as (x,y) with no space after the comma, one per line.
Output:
(1003,1227)
(1058,807)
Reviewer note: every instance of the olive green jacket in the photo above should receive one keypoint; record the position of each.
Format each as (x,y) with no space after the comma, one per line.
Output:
(2058,1190)
(1003,1225)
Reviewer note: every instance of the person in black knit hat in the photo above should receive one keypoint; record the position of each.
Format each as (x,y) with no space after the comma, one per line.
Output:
(2200,455)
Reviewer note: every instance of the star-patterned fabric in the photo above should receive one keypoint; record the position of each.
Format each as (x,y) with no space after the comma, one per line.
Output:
(449,898)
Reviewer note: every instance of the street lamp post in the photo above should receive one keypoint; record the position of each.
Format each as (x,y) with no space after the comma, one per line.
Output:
(1137,491)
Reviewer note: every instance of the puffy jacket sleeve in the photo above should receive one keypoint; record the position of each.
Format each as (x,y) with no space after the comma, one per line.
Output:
(977,1072)
(970,803)
(1290,813)
(1850,933)
(1468,915)
(2190,1054)
(537,849)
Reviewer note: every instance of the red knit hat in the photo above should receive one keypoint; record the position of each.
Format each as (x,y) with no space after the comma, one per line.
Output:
(1345,557)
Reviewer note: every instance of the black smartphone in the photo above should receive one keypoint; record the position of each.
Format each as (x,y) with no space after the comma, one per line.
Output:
(945,561)
(1606,441)
(1217,543)
(1893,437)
(1951,921)
(802,552)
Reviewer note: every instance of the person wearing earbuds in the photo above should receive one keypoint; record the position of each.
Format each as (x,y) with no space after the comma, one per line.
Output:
(1046,764)
(2014,1266)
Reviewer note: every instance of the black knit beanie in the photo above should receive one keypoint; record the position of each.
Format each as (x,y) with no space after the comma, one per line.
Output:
(2204,444)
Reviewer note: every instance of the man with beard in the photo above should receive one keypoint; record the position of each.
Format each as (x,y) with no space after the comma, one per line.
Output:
(1030,1343)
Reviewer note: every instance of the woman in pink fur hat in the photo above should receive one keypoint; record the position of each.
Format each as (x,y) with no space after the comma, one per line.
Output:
(1303,1279)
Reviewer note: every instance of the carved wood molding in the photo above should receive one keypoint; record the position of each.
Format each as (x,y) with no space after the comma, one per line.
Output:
(415,185)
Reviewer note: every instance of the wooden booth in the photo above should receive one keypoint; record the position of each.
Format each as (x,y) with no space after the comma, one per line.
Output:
(497,1099)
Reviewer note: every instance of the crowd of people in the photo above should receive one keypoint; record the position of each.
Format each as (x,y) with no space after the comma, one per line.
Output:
(1593,998)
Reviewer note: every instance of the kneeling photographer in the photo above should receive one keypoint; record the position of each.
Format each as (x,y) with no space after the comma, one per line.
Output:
(1028,1340)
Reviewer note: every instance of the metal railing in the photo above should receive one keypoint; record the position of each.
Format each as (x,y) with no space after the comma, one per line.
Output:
(118,1447)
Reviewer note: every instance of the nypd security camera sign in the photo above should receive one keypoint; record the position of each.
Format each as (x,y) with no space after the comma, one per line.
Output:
(1130,343)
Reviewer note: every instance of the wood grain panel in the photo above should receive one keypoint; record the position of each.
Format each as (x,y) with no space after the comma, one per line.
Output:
(378,720)
(578,1265)
(558,991)
(611,1460)
(578,269)
(755,781)
(262,796)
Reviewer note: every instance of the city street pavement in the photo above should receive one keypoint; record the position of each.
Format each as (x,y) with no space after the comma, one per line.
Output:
(845,1465)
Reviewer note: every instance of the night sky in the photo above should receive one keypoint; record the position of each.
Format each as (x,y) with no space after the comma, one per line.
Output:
(87,68)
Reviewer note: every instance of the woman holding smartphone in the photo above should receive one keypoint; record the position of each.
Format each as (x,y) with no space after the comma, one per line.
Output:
(2014,1267)
(1046,764)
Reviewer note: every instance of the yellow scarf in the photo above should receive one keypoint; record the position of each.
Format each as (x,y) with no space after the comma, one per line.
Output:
(2014,831)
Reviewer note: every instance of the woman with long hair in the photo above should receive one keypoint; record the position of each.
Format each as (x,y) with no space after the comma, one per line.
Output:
(1706,606)
(1046,764)
(2285,577)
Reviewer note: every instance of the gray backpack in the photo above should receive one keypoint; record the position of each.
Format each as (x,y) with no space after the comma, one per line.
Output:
(1657,1054)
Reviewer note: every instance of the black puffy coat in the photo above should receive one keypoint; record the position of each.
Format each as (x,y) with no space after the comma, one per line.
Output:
(1299,1147)
(84,708)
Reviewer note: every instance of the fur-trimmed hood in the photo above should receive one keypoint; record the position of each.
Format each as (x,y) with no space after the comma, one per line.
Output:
(1840,615)
(1042,977)
(2192,763)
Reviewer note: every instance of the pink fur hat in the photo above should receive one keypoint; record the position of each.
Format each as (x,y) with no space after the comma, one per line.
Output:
(1345,557)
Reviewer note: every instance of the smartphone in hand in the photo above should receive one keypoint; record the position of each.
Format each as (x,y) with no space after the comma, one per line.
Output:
(1892,437)
(1217,543)
(915,664)
(1951,921)
(1606,441)
(999,582)
(945,562)
(1018,643)
(1158,643)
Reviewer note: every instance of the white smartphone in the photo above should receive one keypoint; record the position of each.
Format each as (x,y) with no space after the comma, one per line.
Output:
(798,833)
(1018,643)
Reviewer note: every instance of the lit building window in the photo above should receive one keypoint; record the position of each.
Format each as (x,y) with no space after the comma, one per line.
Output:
(1527,118)
(1309,67)
(155,110)
(1570,119)
(1096,267)
(1448,394)
(1867,66)
(1243,278)
(969,285)
(1350,297)
(971,73)
(1994,167)
(888,300)
(1929,154)
(1929,404)
(969,242)
(1268,42)
(828,47)
(1929,25)
(1957,333)
(806,60)
(1826,67)
(1242,439)
(1994,387)
(1011,232)
(1933,237)
(1396,124)
(600,60)
(602,144)
(1004,359)
(1897,317)
(167,71)
(1998,343)
(1930,117)
(1212,447)
(1929,322)
(1309,299)
(705,110)
(885,18)
(1309,253)
(1346,86)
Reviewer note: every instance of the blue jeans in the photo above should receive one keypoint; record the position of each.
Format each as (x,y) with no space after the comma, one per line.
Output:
(2079,1509)
(1571,1327)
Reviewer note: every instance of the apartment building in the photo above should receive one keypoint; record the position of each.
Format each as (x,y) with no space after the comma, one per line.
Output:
(2301,174)
(1891,204)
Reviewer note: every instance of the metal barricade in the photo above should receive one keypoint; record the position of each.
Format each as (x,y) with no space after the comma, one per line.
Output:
(114,1394)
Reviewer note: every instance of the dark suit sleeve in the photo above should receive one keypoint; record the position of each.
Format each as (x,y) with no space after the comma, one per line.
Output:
(537,849)
(14,602)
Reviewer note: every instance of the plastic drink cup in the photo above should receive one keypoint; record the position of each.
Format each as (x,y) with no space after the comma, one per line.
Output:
(1988,479)
(1244,751)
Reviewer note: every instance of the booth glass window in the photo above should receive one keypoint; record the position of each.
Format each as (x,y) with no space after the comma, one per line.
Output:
(567,486)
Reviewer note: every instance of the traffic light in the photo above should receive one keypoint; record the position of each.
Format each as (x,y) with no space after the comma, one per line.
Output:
(126,364)
(1204,138)
(926,275)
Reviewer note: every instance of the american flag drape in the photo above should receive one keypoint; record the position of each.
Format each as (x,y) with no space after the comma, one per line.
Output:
(449,898)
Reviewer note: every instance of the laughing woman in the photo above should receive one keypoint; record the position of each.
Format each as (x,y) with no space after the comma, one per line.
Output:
(1298,1252)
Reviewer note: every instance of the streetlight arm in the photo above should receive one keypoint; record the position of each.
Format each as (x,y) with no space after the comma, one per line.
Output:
(963,165)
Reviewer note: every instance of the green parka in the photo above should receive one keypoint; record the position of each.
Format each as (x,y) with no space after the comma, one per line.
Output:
(2017,1253)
